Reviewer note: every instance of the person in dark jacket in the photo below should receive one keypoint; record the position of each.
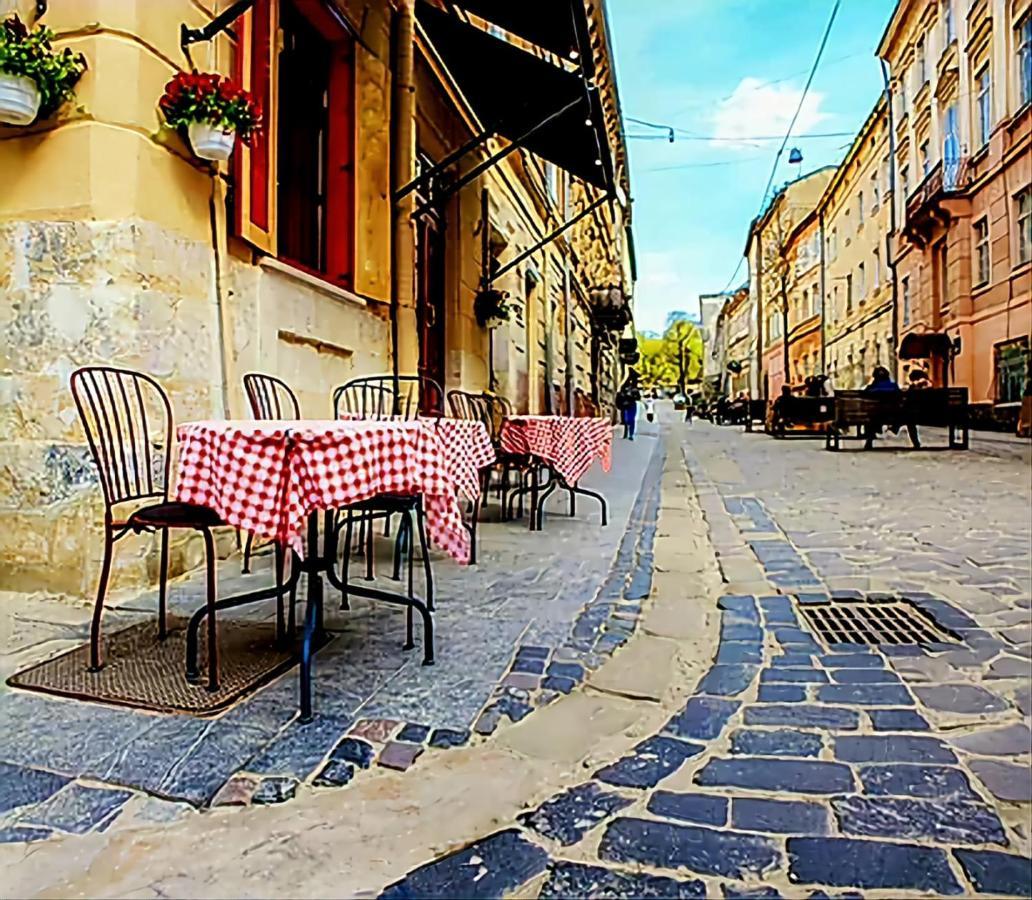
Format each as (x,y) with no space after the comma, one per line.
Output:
(883,383)
(627,402)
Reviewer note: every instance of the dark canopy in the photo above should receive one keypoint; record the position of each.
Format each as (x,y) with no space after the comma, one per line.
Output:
(512,91)
(924,345)
(559,26)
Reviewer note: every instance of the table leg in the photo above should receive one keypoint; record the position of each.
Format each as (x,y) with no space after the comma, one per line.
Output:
(313,615)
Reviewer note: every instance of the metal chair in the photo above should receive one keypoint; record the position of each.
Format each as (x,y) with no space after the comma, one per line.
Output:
(381,397)
(272,398)
(127,418)
(475,408)
(501,408)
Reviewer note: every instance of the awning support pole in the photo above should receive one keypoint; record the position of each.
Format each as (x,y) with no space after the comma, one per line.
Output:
(477,170)
(530,251)
(438,168)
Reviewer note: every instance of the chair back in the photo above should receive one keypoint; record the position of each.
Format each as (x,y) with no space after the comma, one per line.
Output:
(476,407)
(270,397)
(387,397)
(128,423)
(498,410)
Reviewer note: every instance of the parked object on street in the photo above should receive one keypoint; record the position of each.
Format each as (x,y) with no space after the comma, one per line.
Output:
(34,79)
(934,407)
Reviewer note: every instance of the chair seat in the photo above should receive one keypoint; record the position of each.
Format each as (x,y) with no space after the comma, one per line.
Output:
(173,514)
(386,503)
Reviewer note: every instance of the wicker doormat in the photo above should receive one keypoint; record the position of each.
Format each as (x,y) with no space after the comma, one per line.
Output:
(141,671)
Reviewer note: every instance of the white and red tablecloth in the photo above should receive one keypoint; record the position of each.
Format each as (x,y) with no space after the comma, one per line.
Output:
(266,477)
(568,444)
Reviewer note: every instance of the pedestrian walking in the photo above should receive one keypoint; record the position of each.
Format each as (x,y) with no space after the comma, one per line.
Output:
(650,408)
(627,402)
(689,410)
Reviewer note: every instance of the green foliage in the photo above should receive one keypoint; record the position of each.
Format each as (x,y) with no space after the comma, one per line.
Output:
(29,54)
(673,359)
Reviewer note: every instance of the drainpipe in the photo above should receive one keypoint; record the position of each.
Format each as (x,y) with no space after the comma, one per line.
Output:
(890,257)
(567,316)
(759,314)
(824,295)
(403,248)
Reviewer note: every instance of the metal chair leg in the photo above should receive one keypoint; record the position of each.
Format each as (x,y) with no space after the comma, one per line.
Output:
(246,570)
(163,585)
(402,544)
(281,553)
(428,572)
(409,641)
(98,608)
(213,643)
(345,568)
(369,550)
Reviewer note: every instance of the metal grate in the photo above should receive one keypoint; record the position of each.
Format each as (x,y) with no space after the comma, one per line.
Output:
(887,622)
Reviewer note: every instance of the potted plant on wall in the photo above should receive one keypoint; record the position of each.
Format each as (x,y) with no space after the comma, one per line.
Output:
(491,308)
(34,79)
(213,111)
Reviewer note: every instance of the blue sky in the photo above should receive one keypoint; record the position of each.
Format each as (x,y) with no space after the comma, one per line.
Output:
(732,69)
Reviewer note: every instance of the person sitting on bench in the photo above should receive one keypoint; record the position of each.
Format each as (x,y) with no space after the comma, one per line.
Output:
(882,383)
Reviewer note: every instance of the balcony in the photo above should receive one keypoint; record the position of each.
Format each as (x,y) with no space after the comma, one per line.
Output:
(929,206)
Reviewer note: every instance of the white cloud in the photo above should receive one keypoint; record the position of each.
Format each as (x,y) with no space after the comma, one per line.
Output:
(758,108)
(664,280)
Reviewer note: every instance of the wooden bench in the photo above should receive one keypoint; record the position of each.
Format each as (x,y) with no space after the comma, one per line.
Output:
(936,407)
(801,416)
(756,411)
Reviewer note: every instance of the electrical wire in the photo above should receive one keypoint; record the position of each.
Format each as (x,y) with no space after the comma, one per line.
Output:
(791,125)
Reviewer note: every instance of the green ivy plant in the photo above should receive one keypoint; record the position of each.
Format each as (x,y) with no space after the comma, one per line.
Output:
(30,54)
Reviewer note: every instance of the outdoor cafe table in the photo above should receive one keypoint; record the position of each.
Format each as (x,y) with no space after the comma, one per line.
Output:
(273,478)
(564,448)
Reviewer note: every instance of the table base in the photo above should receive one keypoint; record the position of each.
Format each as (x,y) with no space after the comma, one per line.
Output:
(539,493)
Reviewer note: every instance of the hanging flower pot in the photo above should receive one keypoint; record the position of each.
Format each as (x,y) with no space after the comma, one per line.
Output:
(209,142)
(213,111)
(491,309)
(34,80)
(19,99)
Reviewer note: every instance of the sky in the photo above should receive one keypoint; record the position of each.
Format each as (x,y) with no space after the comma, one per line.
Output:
(727,71)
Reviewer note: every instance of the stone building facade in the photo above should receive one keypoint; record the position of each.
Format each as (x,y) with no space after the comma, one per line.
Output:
(962,94)
(855,219)
(117,246)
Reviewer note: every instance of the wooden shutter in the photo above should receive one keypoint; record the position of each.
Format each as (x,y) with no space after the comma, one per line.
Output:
(255,166)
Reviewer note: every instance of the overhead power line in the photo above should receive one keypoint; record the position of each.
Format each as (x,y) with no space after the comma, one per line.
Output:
(695,136)
(791,125)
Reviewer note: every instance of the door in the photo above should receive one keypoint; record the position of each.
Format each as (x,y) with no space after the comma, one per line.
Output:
(430,285)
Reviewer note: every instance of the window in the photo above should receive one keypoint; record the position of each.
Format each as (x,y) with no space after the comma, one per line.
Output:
(1013,370)
(875,193)
(982,251)
(949,28)
(904,181)
(905,285)
(861,282)
(1023,43)
(950,146)
(849,292)
(552,180)
(983,104)
(834,303)
(922,68)
(1023,202)
(315,196)
(804,307)
(876,268)
(860,209)
(926,162)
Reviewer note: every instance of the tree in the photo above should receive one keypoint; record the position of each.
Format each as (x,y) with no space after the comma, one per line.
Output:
(683,340)
(777,271)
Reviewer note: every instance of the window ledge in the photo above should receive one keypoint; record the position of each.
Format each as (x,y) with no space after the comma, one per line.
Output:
(333,291)
(979,289)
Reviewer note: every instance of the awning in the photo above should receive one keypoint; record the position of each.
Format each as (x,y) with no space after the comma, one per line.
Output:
(559,26)
(512,91)
(924,345)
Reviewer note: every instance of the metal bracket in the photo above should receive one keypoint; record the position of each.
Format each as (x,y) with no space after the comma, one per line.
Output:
(220,23)
(530,251)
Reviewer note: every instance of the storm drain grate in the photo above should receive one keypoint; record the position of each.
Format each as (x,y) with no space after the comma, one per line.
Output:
(887,622)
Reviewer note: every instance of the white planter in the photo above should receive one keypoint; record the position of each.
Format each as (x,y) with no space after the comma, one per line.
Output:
(209,142)
(19,99)
(495,322)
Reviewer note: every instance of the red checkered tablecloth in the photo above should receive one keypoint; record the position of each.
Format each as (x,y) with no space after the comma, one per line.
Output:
(267,477)
(570,445)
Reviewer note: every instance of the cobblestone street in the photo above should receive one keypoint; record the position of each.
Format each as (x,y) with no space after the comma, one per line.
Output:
(724,750)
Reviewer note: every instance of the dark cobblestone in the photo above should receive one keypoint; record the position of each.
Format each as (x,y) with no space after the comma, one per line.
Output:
(567,817)
(506,860)
(77,809)
(950,823)
(780,816)
(575,881)
(916,781)
(852,661)
(731,892)
(897,720)
(700,809)
(804,777)
(864,676)
(449,737)
(803,716)
(892,748)
(413,734)
(781,693)
(354,751)
(865,694)
(727,681)
(652,760)
(701,850)
(794,676)
(702,719)
(997,873)
(21,786)
(277,789)
(845,862)
(783,742)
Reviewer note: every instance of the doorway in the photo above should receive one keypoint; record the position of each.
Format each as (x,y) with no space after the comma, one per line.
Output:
(430,286)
